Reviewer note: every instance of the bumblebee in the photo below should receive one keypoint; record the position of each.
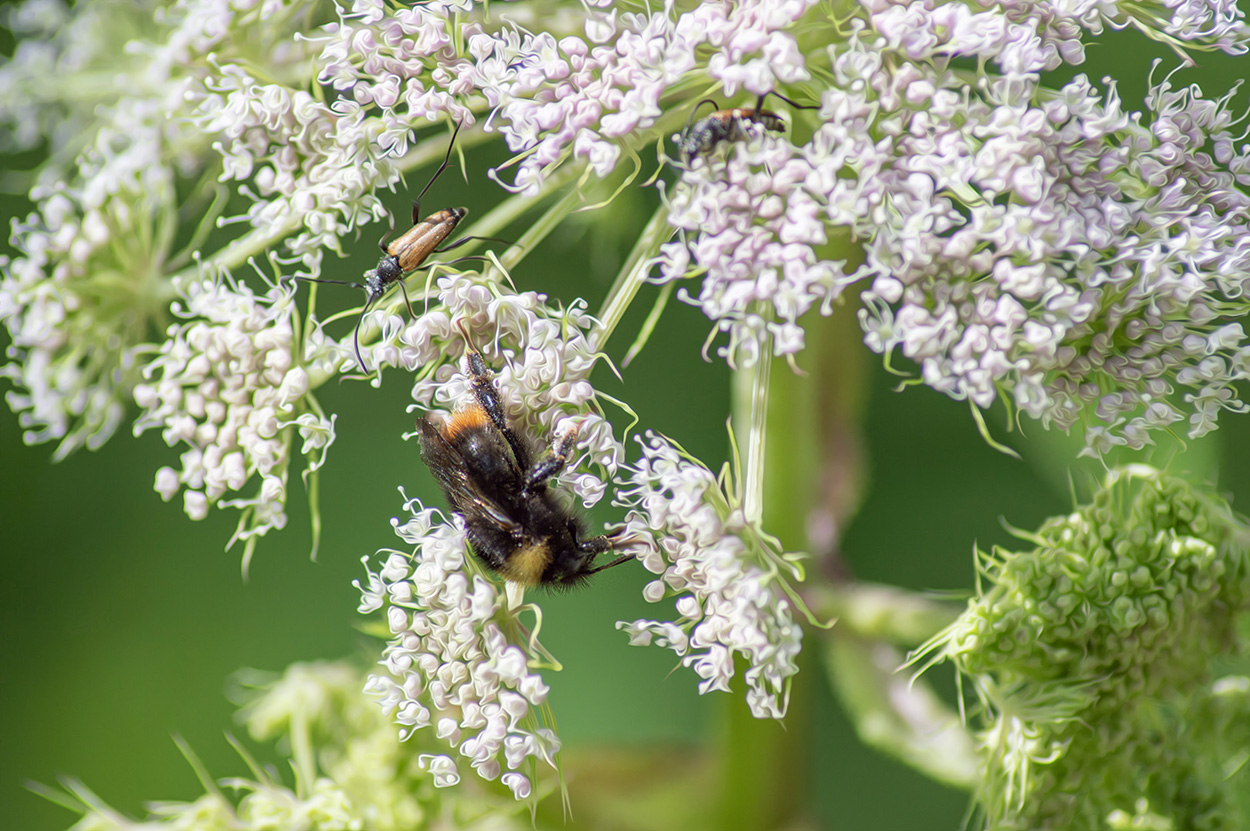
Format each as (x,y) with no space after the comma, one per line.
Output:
(701,137)
(514,524)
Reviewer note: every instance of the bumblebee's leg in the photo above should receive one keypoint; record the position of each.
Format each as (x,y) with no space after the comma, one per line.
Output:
(597,545)
(551,464)
(487,395)
(591,545)
(621,559)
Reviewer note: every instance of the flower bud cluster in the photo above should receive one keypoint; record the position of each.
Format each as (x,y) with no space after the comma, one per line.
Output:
(351,771)
(227,387)
(1094,656)
(725,577)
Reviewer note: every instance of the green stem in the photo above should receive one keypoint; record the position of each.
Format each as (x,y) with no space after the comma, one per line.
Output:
(761,760)
(750,392)
(880,612)
(805,489)
(817,491)
(898,715)
(632,276)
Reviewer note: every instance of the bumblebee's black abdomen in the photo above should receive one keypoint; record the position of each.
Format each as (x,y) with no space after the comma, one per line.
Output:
(492,543)
(484,452)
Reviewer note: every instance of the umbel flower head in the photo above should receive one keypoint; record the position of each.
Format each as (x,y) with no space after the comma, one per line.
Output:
(1094,657)
(728,579)
(226,385)
(1086,263)
(459,660)
(450,668)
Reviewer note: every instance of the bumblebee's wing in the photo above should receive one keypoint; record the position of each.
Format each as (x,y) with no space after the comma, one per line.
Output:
(462,492)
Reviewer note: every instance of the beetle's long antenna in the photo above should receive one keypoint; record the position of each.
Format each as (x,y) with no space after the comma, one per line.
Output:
(760,106)
(416,203)
(351,283)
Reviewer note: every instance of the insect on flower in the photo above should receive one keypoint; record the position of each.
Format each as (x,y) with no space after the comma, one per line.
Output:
(515,525)
(409,251)
(701,137)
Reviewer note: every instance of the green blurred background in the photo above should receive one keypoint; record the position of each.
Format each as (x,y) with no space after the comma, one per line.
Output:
(122,620)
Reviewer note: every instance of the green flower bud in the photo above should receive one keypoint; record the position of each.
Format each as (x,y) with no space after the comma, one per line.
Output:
(1101,708)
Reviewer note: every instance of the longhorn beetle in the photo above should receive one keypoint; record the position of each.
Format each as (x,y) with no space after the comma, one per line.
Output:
(409,251)
(701,138)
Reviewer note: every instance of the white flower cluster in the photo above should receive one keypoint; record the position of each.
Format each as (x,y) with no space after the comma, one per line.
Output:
(724,574)
(1013,241)
(1060,252)
(585,88)
(310,166)
(584,82)
(49,42)
(1050,247)
(74,299)
(226,386)
(1003,229)
(592,90)
(314,167)
(449,665)
(758,236)
(107,87)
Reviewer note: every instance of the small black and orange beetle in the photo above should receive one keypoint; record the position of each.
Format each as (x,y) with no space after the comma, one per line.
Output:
(701,137)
